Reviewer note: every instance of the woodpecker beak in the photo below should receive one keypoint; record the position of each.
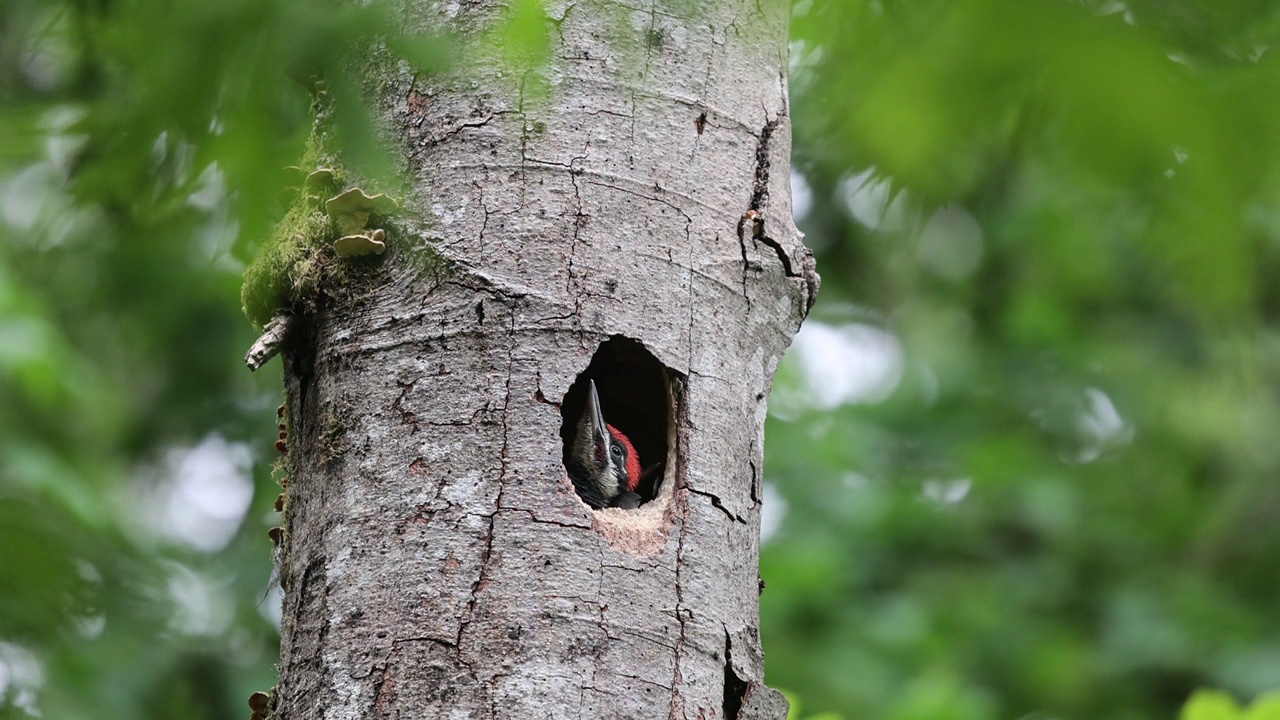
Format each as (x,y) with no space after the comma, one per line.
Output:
(599,431)
(602,462)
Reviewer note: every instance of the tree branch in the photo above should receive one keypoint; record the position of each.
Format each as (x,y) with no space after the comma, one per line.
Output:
(270,341)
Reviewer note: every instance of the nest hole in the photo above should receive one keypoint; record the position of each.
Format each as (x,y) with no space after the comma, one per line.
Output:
(637,397)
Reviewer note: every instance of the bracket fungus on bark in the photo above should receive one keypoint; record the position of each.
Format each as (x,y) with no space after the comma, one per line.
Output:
(360,244)
(321,181)
(351,209)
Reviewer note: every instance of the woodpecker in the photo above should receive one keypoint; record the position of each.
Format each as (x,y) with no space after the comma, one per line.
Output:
(603,464)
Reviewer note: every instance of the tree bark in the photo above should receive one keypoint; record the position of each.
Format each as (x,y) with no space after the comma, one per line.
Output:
(437,561)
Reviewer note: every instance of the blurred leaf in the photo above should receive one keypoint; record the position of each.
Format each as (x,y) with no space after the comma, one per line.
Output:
(1059,506)
(142,155)
(1210,705)
(1266,707)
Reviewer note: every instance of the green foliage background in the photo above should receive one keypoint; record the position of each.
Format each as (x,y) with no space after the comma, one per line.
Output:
(1064,215)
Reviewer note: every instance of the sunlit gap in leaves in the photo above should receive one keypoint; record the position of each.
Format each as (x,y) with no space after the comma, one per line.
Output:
(870,199)
(772,513)
(829,366)
(196,496)
(846,364)
(21,677)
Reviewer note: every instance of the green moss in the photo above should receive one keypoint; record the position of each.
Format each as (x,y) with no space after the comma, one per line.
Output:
(334,425)
(286,271)
(316,154)
(288,266)
(297,264)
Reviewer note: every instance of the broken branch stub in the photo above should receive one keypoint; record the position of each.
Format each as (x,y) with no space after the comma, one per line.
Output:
(270,341)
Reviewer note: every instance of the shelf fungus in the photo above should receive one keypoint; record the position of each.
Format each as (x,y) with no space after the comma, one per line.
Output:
(351,211)
(321,181)
(360,244)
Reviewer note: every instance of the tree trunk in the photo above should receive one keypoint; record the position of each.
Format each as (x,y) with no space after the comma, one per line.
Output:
(437,560)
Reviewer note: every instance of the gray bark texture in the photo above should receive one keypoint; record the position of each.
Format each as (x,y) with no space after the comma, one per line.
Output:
(436,560)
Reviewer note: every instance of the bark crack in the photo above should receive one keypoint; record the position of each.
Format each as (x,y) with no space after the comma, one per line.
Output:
(717,503)
(457,130)
(646,681)
(747,265)
(600,608)
(754,216)
(487,287)
(487,553)
(580,220)
(484,224)
(682,614)
(384,683)
(407,417)
(642,636)
(735,688)
(650,198)
(534,518)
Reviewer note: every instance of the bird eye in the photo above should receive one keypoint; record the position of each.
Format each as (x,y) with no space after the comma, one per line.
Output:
(617,451)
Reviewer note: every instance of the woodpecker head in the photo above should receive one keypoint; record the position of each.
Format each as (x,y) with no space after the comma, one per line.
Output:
(603,463)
